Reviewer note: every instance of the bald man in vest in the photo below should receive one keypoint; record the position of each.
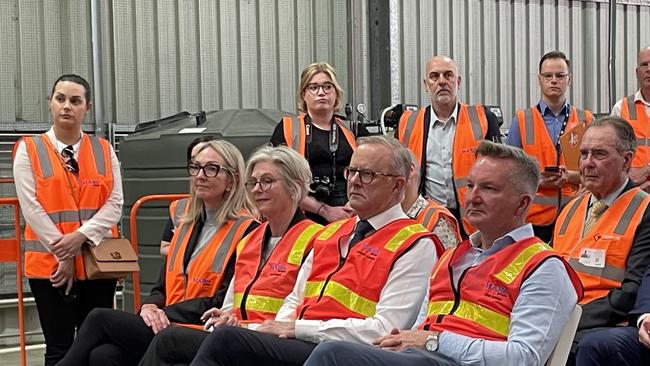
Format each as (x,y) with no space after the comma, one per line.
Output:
(364,276)
(605,234)
(635,109)
(490,302)
(538,129)
(444,136)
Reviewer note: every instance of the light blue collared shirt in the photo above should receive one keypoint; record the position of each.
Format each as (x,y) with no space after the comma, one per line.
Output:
(537,317)
(438,182)
(552,121)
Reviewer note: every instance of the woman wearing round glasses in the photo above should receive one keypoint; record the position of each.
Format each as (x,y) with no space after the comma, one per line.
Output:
(197,271)
(70,192)
(268,259)
(324,139)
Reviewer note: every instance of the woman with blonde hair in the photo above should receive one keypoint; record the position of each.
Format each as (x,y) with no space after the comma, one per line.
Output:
(324,139)
(198,269)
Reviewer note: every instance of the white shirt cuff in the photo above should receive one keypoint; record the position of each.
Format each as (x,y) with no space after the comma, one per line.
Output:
(307,330)
(643,316)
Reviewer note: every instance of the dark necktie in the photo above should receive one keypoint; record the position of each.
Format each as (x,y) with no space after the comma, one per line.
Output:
(360,230)
(70,162)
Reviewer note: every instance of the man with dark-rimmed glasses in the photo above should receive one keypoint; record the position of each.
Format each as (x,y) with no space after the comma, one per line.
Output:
(365,276)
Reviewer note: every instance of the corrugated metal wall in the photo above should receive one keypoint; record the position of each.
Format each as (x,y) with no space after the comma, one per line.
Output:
(165,56)
(498,45)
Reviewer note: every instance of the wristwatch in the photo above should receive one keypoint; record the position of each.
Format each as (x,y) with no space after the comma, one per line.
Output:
(431,343)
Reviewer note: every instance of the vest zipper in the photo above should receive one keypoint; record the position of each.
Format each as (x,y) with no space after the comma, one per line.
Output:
(455,290)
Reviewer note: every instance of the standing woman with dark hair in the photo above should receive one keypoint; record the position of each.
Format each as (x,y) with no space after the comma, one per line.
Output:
(70,191)
(324,139)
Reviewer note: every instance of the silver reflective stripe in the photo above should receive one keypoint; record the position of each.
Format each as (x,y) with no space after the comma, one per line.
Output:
(626,218)
(475,122)
(181,206)
(72,215)
(177,245)
(609,272)
(550,201)
(34,246)
(530,127)
(428,217)
(98,152)
(582,115)
(43,156)
(410,125)
(642,141)
(295,133)
(631,107)
(345,123)
(460,182)
(219,261)
(569,215)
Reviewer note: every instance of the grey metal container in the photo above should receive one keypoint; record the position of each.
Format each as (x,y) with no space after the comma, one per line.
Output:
(154,161)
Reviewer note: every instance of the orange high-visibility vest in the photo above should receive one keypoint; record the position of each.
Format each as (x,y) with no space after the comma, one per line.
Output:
(351,289)
(261,285)
(537,143)
(295,135)
(634,112)
(486,294)
(471,129)
(204,272)
(429,216)
(66,198)
(612,236)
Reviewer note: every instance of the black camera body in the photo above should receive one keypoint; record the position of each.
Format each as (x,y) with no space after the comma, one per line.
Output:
(322,187)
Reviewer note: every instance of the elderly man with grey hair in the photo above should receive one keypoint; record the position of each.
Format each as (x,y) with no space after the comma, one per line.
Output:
(490,302)
(365,276)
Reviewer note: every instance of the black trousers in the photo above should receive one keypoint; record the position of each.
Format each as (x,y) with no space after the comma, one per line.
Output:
(240,346)
(109,337)
(175,345)
(60,316)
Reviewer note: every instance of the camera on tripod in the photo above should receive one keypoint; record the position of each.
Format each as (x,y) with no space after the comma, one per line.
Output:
(321,188)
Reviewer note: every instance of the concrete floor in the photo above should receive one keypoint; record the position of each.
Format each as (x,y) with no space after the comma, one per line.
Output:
(34,356)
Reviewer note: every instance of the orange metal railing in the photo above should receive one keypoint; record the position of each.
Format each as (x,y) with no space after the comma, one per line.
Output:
(133,231)
(10,252)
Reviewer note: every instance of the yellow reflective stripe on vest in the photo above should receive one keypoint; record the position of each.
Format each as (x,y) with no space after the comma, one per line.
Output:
(241,245)
(513,269)
(331,229)
(344,296)
(396,241)
(476,313)
(298,250)
(259,303)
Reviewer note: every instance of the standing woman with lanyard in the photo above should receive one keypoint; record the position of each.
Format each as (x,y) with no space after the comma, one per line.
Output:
(70,191)
(324,139)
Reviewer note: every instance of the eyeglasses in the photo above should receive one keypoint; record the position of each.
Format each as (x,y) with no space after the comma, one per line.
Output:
(326,86)
(366,175)
(265,184)
(70,162)
(548,76)
(210,170)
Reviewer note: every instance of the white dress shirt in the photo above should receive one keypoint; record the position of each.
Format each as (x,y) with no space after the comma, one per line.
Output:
(95,229)
(616,110)
(439,177)
(398,303)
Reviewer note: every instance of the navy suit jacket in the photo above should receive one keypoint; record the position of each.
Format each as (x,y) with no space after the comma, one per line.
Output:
(642,304)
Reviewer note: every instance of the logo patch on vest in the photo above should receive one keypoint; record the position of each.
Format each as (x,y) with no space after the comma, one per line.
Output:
(369,251)
(495,290)
(90,182)
(277,268)
(202,281)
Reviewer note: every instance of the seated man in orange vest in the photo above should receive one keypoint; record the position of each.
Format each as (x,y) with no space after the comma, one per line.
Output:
(364,276)
(605,235)
(444,136)
(635,109)
(490,302)
(538,129)
(432,215)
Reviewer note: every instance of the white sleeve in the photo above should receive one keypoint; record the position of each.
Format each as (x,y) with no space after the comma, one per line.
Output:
(229,299)
(34,214)
(616,109)
(398,305)
(99,226)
